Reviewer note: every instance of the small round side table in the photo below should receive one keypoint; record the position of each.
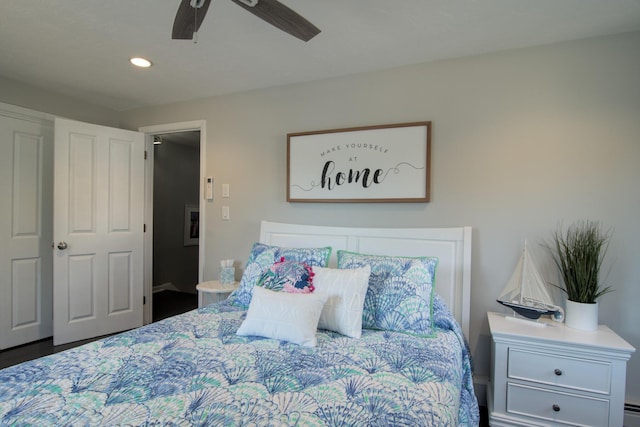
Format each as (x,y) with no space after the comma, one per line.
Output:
(213,291)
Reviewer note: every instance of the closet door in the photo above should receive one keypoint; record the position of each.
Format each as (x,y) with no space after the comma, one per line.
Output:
(26,162)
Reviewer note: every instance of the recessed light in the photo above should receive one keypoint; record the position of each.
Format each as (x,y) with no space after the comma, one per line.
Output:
(140,62)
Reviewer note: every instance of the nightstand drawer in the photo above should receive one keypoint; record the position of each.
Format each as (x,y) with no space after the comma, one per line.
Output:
(559,407)
(579,374)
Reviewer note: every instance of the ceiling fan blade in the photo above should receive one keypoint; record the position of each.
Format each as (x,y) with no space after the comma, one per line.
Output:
(280,16)
(187,21)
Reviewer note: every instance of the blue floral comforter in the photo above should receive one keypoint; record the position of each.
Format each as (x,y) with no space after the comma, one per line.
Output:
(193,370)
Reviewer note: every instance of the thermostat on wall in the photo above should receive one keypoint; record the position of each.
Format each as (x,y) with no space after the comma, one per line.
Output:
(209,188)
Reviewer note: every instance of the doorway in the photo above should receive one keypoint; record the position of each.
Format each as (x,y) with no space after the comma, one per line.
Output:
(176,231)
(174,215)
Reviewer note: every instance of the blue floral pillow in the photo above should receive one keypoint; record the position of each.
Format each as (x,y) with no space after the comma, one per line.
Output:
(294,277)
(263,256)
(400,293)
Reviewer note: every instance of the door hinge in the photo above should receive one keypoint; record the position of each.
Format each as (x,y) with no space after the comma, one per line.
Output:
(144,228)
(145,154)
(144,300)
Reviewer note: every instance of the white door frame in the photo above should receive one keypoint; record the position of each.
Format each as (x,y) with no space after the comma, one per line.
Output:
(196,125)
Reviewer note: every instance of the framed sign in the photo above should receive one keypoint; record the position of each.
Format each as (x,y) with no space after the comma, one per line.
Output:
(191,225)
(386,163)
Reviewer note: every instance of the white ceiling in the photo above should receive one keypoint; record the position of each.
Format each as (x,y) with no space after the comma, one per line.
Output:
(80,48)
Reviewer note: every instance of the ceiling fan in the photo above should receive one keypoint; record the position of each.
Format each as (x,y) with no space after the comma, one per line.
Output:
(191,13)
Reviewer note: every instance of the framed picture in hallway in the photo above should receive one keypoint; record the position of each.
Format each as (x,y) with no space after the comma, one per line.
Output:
(384,163)
(191,225)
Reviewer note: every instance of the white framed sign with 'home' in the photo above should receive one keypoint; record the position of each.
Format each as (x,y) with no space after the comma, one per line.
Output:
(385,163)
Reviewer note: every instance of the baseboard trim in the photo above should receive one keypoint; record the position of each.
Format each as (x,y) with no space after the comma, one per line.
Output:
(632,407)
(631,415)
(165,287)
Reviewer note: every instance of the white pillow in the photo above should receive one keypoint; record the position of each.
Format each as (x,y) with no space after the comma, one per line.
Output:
(283,316)
(346,290)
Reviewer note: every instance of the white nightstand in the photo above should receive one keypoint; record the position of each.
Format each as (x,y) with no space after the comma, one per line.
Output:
(555,375)
(213,291)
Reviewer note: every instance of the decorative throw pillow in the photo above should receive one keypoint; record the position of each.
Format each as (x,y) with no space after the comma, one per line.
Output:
(400,293)
(263,256)
(288,276)
(346,291)
(283,316)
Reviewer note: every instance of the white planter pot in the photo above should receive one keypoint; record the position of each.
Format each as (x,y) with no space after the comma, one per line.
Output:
(581,316)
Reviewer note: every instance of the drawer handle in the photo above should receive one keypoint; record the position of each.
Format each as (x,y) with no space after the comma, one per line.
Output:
(558,372)
(556,407)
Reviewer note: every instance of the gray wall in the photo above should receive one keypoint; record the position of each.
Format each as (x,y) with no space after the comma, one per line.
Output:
(52,102)
(175,184)
(522,140)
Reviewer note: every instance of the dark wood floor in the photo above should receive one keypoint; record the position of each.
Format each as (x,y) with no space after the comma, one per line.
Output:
(165,304)
(484,417)
(170,303)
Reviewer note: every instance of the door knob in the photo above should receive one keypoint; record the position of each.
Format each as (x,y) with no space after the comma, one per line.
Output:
(62,246)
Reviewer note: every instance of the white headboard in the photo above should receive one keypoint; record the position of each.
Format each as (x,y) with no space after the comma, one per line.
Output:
(452,246)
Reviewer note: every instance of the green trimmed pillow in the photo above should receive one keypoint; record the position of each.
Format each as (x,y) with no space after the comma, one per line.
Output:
(400,293)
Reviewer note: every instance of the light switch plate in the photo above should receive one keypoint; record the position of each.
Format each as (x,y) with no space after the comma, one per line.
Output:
(225,190)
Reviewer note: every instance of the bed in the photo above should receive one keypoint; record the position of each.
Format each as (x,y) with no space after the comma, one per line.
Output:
(208,367)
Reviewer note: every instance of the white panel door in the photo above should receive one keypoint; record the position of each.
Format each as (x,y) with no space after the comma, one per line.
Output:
(26,149)
(98,230)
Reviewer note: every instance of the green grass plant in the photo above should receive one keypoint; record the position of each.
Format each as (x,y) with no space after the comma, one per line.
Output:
(578,252)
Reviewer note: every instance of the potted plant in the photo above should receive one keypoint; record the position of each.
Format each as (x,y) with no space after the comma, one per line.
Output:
(579,253)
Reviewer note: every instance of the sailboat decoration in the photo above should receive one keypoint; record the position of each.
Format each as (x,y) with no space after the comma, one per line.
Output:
(526,292)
